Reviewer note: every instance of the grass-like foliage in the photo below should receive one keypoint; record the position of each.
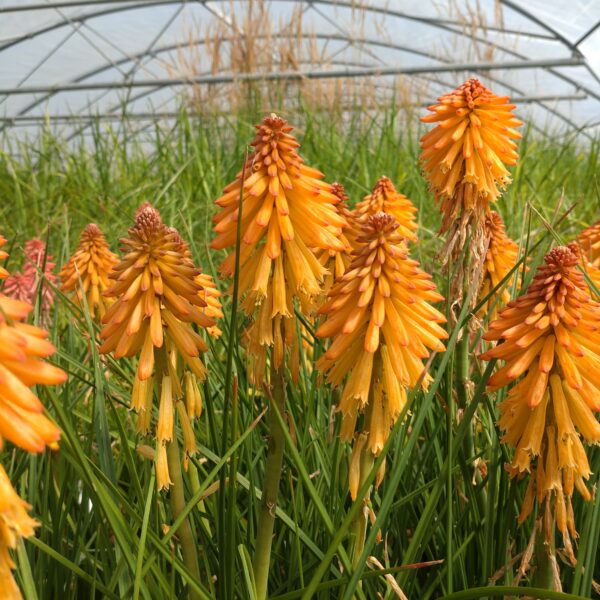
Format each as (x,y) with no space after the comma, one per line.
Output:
(446,511)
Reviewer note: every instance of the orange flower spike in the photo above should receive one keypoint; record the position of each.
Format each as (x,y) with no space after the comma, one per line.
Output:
(288,213)
(589,240)
(385,198)
(285,204)
(90,264)
(155,295)
(157,299)
(550,338)
(501,258)
(466,154)
(15,524)
(382,326)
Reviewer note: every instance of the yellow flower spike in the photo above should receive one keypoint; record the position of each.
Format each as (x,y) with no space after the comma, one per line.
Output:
(155,295)
(157,301)
(90,266)
(15,524)
(288,213)
(382,326)
(550,338)
(385,198)
(464,157)
(501,257)
(22,419)
(466,154)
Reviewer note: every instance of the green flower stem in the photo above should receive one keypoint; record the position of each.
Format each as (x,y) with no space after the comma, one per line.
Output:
(273,465)
(543,577)
(177,497)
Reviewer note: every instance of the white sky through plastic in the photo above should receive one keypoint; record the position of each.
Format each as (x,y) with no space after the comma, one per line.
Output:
(72,60)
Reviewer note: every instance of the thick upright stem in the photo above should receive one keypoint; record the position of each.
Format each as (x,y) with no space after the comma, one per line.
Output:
(543,576)
(274,462)
(188,544)
(462,376)
(449,480)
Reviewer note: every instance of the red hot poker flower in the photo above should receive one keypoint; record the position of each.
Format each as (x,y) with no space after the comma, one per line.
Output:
(551,342)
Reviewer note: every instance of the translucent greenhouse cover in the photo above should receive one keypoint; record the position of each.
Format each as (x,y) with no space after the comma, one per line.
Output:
(68,61)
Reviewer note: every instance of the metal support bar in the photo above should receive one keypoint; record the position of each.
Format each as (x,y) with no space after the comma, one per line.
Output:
(131,3)
(142,116)
(64,4)
(296,75)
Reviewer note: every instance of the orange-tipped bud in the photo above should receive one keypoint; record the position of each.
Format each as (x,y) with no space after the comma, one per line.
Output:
(340,191)
(382,326)
(550,342)
(466,154)
(87,271)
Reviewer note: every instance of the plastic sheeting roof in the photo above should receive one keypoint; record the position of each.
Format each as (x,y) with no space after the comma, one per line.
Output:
(73,60)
